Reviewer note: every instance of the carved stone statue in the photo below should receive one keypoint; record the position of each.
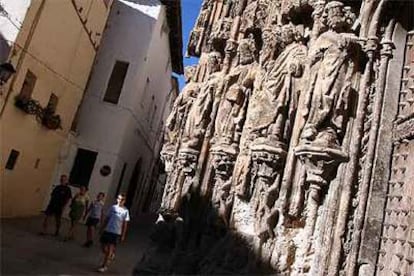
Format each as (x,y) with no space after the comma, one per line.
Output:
(274,100)
(278,88)
(199,114)
(239,83)
(331,70)
(229,123)
(177,117)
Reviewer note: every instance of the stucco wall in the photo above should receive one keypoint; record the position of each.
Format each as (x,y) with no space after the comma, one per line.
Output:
(56,46)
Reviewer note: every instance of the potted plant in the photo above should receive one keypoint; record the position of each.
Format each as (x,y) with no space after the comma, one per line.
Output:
(50,119)
(29,106)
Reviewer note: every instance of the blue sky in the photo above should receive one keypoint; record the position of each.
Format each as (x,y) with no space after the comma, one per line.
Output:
(189,12)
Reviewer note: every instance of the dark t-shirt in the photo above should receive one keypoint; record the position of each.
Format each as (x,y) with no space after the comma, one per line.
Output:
(60,195)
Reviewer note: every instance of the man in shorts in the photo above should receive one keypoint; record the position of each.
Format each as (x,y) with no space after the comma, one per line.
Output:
(115,227)
(60,196)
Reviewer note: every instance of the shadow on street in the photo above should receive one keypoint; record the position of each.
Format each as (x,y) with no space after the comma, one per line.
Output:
(24,251)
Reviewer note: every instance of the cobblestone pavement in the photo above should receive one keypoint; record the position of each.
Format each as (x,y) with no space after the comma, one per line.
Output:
(25,252)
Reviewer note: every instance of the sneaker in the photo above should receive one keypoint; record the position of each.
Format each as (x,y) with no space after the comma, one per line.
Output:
(102,269)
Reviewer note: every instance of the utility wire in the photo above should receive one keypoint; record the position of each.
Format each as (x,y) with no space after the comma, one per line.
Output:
(9,18)
(41,62)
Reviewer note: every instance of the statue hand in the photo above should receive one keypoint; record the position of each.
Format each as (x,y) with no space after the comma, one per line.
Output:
(350,38)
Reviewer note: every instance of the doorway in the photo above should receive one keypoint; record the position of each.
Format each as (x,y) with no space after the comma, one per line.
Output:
(133,184)
(82,167)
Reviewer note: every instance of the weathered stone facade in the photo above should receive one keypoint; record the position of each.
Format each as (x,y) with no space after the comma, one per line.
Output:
(290,149)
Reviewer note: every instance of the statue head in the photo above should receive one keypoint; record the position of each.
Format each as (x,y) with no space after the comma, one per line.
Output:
(213,62)
(271,40)
(247,50)
(289,34)
(337,16)
(189,72)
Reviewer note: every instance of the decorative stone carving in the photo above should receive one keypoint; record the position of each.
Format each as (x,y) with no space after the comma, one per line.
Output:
(223,163)
(267,160)
(197,34)
(199,114)
(272,146)
(331,70)
(221,31)
(255,15)
(239,83)
(177,118)
(274,101)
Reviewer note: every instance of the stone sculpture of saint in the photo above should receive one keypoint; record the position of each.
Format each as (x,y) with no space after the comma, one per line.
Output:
(178,115)
(275,97)
(199,113)
(239,83)
(331,70)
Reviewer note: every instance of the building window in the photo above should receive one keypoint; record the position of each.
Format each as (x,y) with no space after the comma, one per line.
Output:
(116,81)
(28,86)
(52,104)
(11,161)
(82,167)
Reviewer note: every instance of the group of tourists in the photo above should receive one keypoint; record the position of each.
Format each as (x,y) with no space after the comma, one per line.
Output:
(112,226)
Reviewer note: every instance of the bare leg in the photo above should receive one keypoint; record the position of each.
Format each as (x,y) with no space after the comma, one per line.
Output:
(106,251)
(71,230)
(89,236)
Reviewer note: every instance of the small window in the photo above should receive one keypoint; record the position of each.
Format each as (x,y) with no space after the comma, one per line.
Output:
(116,81)
(11,161)
(52,104)
(28,85)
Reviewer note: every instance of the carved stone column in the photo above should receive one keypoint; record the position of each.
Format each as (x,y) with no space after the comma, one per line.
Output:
(320,165)
(267,160)
(224,157)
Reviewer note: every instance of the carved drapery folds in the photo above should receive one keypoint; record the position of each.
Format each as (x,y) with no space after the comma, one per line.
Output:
(266,141)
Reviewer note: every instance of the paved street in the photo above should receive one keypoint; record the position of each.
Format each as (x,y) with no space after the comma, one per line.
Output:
(25,252)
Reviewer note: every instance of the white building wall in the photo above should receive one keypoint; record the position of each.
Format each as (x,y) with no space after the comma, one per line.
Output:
(12,14)
(130,130)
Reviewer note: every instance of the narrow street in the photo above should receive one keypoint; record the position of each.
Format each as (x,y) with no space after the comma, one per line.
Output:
(24,251)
